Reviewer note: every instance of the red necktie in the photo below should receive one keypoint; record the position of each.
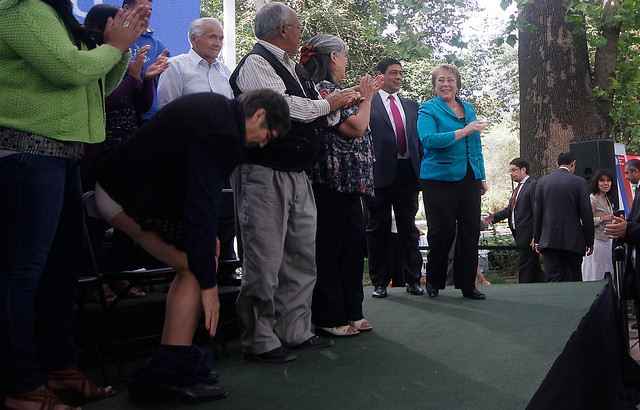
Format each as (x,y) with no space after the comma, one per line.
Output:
(513,201)
(401,141)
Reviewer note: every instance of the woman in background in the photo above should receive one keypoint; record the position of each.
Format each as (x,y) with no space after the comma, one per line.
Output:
(341,175)
(600,261)
(53,79)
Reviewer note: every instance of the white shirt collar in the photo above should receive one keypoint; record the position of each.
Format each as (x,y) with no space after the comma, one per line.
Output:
(385,95)
(524,180)
(276,51)
(196,59)
(563,167)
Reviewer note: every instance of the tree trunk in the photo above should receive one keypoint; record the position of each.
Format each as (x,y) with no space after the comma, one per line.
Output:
(557,105)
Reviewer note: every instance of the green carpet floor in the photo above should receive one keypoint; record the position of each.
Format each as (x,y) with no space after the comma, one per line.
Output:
(442,353)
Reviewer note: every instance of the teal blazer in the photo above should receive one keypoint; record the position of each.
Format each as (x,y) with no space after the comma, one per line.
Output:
(445,159)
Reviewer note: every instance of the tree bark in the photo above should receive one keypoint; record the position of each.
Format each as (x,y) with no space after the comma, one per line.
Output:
(557,105)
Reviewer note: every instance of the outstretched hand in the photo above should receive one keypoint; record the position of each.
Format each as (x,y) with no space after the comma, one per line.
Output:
(617,228)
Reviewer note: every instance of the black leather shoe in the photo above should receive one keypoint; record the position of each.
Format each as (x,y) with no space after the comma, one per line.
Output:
(196,393)
(431,291)
(316,341)
(213,377)
(415,289)
(278,355)
(379,292)
(473,294)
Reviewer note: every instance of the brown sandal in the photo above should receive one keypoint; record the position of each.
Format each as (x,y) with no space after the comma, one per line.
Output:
(74,387)
(38,399)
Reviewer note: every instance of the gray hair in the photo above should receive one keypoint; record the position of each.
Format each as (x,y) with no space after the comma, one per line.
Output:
(318,64)
(269,19)
(196,26)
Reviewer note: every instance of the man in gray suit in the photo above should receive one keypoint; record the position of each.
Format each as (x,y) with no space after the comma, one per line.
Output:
(519,212)
(396,181)
(563,221)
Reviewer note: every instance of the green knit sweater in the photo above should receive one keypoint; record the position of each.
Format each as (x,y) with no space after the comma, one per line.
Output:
(47,86)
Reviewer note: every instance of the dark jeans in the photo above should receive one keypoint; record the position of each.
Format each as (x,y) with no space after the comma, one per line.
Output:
(41,245)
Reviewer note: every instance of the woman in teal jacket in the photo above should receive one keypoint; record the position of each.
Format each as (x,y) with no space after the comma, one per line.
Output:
(53,79)
(453,179)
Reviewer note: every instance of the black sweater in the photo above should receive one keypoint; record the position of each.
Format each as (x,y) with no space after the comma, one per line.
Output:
(169,175)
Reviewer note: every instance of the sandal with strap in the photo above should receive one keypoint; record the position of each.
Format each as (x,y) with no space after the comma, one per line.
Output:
(362,325)
(133,292)
(72,386)
(38,399)
(339,331)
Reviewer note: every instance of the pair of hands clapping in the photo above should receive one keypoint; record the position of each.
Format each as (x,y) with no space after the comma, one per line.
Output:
(125,28)
(154,70)
(355,95)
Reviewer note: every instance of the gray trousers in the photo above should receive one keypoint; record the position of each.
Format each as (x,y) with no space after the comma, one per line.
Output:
(277,215)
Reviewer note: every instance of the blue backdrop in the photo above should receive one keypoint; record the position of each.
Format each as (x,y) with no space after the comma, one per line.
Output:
(170,19)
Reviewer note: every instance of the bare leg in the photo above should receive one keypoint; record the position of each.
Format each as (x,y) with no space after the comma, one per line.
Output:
(184,305)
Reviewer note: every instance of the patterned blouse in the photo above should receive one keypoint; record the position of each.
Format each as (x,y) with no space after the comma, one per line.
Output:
(345,164)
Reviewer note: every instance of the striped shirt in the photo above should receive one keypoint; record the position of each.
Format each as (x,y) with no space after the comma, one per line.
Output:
(256,72)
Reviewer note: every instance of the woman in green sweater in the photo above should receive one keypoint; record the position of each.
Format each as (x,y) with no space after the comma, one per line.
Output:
(53,79)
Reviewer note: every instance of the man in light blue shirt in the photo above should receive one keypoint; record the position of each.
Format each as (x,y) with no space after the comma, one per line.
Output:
(198,70)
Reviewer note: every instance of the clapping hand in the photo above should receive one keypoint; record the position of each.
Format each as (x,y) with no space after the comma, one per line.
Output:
(125,28)
(157,68)
(136,67)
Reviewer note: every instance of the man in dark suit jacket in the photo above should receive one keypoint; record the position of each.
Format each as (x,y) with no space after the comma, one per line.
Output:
(629,230)
(396,171)
(563,221)
(519,212)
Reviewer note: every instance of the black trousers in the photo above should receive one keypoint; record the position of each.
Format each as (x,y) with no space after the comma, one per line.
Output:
(337,295)
(403,196)
(562,266)
(529,269)
(447,204)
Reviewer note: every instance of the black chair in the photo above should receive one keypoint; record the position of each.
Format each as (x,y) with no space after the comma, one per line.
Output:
(121,304)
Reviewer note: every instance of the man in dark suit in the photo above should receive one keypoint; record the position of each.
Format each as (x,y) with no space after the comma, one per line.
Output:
(519,213)
(629,230)
(395,172)
(563,221)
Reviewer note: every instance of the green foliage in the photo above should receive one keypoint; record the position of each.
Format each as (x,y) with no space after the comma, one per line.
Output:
(501,262)
(589,19)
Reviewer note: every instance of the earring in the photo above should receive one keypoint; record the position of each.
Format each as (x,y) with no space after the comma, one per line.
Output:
(336,68)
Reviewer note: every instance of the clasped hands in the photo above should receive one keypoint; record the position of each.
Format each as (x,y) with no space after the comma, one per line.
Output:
(617,228)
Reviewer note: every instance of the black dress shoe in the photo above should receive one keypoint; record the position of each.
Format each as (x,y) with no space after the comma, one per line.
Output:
(415,289)
(278,355)
(431,291)
(195,393)
(315,341)
(213,377)
(473,294)
(379,292)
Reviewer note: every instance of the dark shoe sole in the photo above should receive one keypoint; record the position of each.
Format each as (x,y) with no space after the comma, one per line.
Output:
(256,358)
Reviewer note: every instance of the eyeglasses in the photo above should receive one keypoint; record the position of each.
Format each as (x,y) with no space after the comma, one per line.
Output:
(514,170)
(300,28)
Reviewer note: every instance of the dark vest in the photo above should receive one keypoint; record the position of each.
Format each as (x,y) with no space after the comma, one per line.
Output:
(296,150)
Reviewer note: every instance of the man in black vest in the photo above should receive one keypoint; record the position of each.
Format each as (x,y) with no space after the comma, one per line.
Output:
(274,200)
